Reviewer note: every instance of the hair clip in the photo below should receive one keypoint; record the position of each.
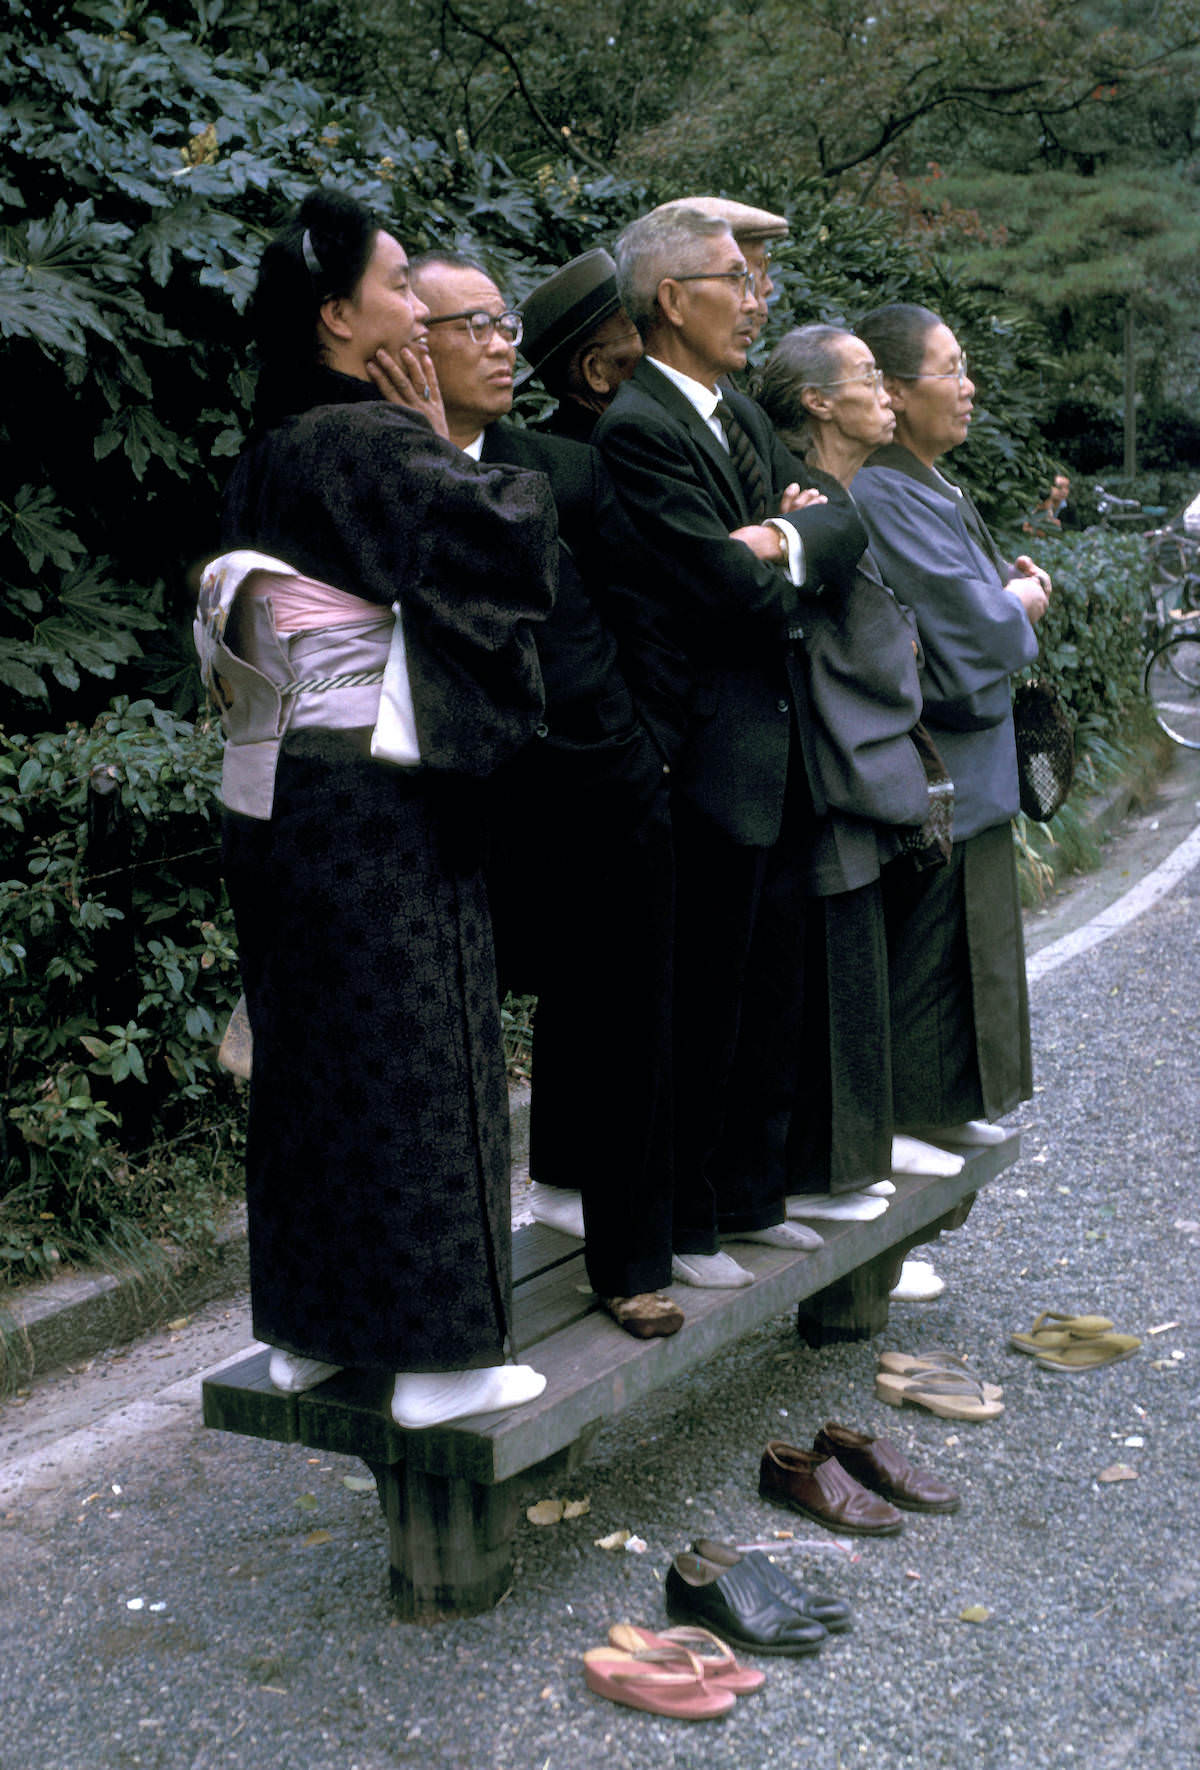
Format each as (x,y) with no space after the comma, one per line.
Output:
(308,252)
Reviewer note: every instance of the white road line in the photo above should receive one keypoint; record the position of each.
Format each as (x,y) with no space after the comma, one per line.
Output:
(1118,915)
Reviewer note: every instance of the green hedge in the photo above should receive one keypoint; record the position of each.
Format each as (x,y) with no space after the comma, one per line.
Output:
(1090,639)
(118,972)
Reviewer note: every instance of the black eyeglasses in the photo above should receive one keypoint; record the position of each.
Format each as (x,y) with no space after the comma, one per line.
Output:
(744,279)
(481,324)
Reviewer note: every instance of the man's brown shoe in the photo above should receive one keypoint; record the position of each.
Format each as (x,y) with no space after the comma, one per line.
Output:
(818,1487)
(879,1465)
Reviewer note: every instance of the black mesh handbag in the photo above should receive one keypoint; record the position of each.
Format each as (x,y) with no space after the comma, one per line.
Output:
(1045,749)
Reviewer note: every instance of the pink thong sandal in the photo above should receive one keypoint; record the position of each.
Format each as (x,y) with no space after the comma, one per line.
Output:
(676,1688)
(720,1664)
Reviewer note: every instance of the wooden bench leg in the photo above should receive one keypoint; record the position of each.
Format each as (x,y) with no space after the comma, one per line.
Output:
(450,1541)
(855,1307)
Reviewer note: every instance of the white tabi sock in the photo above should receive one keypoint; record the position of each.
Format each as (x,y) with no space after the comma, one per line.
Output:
(711,1272)
(910,1156)
(917,1283)
(557,1209)
(429,1398)
(294,1375)
(780,1235)
(837,1207)
(971,1134)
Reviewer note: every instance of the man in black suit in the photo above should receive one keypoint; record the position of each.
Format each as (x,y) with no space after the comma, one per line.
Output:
(726,548)
(581,870)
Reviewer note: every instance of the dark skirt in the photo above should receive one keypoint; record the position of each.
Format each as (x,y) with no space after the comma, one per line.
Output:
(960,1005)
(841,1131)
(377,1171)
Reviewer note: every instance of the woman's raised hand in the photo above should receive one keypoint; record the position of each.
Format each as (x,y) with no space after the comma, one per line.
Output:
(411,382)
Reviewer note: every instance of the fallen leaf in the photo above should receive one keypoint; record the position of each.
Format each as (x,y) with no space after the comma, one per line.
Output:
(545,1512)
(1117,1472)
(180,1321)
(615,1540)
(974,1613)
(577,1508)
(307,1502)
(316,1537)
(358,1483)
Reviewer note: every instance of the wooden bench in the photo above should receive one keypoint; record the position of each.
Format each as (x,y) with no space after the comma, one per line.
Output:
(452,1495)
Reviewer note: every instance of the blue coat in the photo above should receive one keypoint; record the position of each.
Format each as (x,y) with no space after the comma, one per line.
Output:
(934,552)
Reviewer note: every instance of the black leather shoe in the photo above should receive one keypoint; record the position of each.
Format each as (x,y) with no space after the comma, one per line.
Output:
(834,1614)
(734,1604)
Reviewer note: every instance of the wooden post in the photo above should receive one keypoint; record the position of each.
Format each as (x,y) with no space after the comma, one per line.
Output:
(856,1306)
(450,1541)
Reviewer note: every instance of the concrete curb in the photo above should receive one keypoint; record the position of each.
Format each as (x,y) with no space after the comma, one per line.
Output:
(72,1318)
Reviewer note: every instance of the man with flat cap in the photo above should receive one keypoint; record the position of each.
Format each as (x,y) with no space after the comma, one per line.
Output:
(579,341)
(581,873)
(728,551)
(753,229)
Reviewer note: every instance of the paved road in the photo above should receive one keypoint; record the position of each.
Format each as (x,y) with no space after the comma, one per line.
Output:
(183,1600)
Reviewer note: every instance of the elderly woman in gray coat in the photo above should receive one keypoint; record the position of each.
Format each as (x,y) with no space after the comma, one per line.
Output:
(825,396)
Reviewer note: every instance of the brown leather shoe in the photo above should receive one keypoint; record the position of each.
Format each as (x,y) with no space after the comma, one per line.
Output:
(817,1486)
(878,1464)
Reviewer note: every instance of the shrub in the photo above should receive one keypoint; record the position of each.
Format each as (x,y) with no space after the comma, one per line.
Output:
(1090,639)
(118,969)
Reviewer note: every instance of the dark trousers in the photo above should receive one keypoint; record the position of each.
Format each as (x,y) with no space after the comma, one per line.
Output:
(739,996)
(841,1131)
(935,1061)
(581,883)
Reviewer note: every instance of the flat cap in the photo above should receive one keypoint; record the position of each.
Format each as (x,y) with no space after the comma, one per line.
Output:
(561,311)
(745,222)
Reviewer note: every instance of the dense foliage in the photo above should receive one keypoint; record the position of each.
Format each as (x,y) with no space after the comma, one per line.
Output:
(146,154)
(118,969)
(1089,641)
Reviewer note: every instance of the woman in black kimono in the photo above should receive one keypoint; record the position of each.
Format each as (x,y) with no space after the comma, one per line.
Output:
(367,636)
(960,1013)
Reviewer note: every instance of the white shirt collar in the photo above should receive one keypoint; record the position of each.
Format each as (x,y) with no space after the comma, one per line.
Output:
(475,447)
(695,392)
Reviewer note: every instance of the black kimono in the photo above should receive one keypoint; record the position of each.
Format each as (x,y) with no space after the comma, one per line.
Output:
(377,1160)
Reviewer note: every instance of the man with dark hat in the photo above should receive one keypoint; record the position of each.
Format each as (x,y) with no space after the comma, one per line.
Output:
(579,341)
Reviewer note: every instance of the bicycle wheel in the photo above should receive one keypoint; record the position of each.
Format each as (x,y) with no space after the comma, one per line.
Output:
(1170,558)
(1172,683)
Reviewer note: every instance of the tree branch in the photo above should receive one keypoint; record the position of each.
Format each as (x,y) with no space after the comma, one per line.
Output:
(564,142)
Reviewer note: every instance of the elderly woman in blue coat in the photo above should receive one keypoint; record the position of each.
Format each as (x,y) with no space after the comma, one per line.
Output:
(960,1013)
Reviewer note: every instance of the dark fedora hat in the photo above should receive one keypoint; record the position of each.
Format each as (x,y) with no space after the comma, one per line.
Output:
(564,309)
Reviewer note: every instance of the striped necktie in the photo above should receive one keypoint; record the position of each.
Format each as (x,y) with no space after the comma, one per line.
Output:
(745,460)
